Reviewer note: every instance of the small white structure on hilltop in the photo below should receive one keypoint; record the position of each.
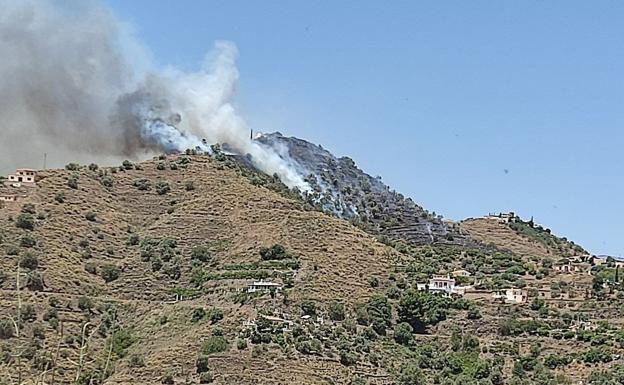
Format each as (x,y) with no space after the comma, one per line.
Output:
(23,177)
(263,286)
(502,217)
(512,295)
(442,284)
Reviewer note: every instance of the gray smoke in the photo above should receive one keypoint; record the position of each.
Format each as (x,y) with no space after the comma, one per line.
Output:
(74,83)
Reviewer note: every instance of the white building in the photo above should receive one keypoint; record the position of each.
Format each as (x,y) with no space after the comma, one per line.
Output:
(442,284)
(23,176)
(263,286)
(512,295)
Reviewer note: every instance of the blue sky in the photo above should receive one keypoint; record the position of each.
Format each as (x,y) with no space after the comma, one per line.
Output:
(466,106)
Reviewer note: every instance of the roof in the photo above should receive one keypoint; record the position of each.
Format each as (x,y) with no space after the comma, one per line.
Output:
(25,169)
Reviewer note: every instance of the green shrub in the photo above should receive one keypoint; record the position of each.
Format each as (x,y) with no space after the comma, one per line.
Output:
(214,344)
(198,314)
(189,185)
(308,307)
(72,167)
(202,364)
(336,311)
(93,167)
(274,252)
(121,341)
(85,304)
(25,221)
(34,281)
(90,216)
(72,181)
(133,240)
(403,333)
(205,378)
(201,253)
(59,197)
(136,361)
(29,261)
(143,184)
(162,188)
(110,272)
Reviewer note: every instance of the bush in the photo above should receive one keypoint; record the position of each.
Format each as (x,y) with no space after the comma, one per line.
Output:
(189,185)
(90,216)
(127,165)
(403,333)
(110,272)
(202,364)
(72,182)
(205,378)
(143,184)
(29,261)
(107,181)
(25,221)
(336,311)
(274,252)
(28,241)
(93,167)
(133,240)
(410,374)
(215,315)
(198,314)
(7,329)
(308,307)
(200,253)
(162,188)
(29,208)
(121,341)
(214,344)
(85,304)
(59,197)
(72,167)
(136,361)
(34,281)
(241,344)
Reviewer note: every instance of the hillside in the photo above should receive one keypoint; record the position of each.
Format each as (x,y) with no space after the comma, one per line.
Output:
(151,270)
(340,187)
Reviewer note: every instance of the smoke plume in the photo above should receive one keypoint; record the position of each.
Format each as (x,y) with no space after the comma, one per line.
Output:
(74,83)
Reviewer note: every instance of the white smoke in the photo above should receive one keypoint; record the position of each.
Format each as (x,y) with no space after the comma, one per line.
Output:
(70,86)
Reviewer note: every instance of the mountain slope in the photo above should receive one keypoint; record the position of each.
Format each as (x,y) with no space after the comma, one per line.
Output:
(339,186)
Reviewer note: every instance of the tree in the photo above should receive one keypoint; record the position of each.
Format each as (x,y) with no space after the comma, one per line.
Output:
(276,252)
(422,308)
(403,333)
(410,374)
(336,311)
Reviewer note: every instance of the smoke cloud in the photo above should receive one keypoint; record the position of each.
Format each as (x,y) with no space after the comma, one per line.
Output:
(74,83)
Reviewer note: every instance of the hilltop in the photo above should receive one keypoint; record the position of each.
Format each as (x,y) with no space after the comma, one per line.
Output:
(199,269)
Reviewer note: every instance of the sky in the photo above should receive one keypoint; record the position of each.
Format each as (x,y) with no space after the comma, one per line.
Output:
(468,107)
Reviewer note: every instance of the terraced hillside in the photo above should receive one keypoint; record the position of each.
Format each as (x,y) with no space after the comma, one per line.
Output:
(342,188)
(195,269)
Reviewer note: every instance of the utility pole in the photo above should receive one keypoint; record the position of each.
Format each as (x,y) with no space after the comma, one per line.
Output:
(45,159)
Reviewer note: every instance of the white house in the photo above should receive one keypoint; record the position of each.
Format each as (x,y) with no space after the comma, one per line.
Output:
(512,295)
(23,176)
(263,286)
(442,284)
